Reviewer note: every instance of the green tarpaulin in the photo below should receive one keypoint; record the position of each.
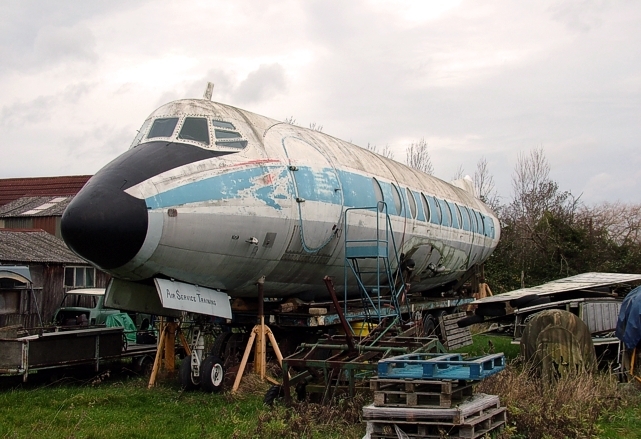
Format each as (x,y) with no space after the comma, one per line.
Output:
(124,321)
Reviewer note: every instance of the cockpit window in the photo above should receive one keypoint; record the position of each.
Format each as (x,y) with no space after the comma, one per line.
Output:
(141,133)
(195,128)
(163,127)
(235,144)
(222,134)
(222,124)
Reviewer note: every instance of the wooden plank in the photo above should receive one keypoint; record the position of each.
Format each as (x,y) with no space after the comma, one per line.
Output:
(465,413)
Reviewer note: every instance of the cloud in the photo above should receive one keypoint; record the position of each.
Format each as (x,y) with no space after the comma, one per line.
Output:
(263,83)
(56,44)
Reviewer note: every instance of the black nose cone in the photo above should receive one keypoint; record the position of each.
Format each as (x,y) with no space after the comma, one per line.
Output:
(104,224)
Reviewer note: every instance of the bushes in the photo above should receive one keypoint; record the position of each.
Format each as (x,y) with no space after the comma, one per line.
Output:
(571,407)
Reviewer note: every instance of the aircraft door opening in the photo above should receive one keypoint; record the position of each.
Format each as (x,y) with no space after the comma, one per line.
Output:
(318,193)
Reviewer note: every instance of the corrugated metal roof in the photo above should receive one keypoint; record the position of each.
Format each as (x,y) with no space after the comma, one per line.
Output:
(35,206)
(579,282)
(31,245)
(14,188)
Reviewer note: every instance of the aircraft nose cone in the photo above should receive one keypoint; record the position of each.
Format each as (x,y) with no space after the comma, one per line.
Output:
(104,224)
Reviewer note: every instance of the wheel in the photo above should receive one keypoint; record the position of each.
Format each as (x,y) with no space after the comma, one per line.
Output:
(523,300)
(187,381)
(469,320)
(218,348)
(275,392)
(428,325)
(212,374)
(144,365)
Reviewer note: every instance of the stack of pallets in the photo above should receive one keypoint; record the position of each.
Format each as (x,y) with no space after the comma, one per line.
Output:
(422,395)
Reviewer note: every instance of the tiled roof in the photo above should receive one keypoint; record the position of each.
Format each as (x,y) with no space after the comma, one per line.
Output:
(14,188)
(35,206)
(31,245)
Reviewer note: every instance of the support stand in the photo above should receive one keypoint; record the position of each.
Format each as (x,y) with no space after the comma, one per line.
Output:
(259,335)
(166,344)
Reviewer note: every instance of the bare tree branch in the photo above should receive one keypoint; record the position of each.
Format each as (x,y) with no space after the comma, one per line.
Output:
(418,157)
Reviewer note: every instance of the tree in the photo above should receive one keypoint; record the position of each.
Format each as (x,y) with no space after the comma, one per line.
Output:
(418,157)
(484,185)
(386,151)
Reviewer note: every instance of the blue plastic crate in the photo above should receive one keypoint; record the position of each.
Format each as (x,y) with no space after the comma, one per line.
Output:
(446,367)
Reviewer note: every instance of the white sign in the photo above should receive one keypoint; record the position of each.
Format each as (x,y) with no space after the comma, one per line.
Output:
(192,298)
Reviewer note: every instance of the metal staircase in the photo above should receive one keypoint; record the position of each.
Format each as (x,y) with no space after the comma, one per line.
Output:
(367,260)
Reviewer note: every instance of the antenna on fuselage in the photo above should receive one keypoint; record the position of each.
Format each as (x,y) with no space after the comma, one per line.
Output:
(208,91)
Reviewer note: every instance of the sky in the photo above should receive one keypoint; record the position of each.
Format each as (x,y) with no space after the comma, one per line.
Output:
(475,79)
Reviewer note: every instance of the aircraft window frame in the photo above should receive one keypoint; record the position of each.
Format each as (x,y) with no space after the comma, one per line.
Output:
(160,121)
(426,208)
(465,218)
(481,223)
(444,210)
(224,134)
(490,228)
(459,215)
(438,218)
(378,194)
(142,132)
(454,215)
(235,144)
(474,222)
(191,120)
(412,203)
(222,124)
(398,200)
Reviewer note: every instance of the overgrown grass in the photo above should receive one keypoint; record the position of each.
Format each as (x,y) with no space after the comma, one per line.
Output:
(126,408)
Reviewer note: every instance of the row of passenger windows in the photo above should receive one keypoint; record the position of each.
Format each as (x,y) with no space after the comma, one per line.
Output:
(196,129)
(437,211)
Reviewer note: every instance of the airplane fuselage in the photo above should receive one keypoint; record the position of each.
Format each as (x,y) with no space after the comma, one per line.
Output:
(216,196)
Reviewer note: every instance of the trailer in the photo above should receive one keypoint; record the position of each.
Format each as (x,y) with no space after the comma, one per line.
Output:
(23,355)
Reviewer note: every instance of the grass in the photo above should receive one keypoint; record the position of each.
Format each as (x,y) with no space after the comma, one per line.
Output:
(121,406)
(126,408)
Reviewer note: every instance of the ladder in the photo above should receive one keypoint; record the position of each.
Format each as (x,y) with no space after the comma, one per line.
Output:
(367,260)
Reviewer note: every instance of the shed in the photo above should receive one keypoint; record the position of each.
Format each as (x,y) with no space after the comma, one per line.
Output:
(52,270)
(43,212)
(13,188)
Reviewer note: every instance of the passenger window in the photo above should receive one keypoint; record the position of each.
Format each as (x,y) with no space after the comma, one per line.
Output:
(412,202)
(379,193)
(436,211)
(465,214)
(479,219)
(426,208)
(473,221)
(163,127)
(195,128)
(398,204)
(222,124)
(221,134)
(454,215)
(238,145)
(489,227)
(446,215)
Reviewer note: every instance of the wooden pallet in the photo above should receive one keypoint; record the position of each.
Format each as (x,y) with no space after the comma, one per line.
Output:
(492,420)
(466,413)
(419,393)
(453,336)
(444,367)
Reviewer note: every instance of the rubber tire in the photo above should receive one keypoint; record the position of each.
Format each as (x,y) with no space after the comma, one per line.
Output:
(470,320)
(184,375)
(212,374)
(537,301)
(491,311)
(429,326)
(275,392)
